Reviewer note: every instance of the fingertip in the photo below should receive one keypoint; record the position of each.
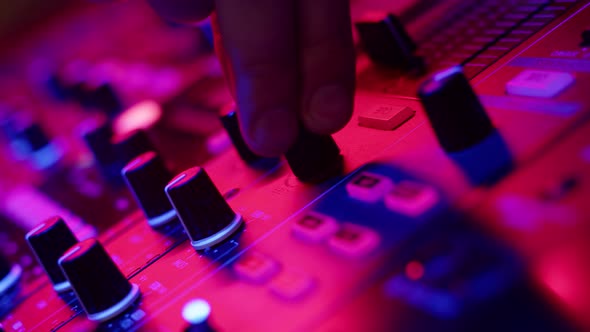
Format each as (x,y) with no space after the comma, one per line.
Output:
(272,133)
(329,109)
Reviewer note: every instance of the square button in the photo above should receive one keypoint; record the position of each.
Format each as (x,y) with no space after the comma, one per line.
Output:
(291,285)
(539,83)
(411,198)
(385,117)
(314,227)
(256,267)
(354,240)
(369,187)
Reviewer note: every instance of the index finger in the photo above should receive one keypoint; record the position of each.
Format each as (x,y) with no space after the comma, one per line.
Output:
(260,41)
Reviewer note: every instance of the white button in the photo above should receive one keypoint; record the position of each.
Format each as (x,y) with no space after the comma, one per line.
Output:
(256,267)
(368,187)
(291,285)
(385,117)
(314,227)
(411,198)
(539,83)
(354,240)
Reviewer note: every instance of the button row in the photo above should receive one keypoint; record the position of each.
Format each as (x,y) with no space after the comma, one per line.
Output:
(347,239)
(287,284)
(406,197)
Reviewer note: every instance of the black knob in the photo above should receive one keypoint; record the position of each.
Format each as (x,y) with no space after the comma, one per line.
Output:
(101,288)
(314,158)
(98,139)
(387,43)
(10,275)
(131,145)
(49,241)
(102,97)
(456,114)
(34,137)
(585,38)
(232,126)
(146,177)
(204,213)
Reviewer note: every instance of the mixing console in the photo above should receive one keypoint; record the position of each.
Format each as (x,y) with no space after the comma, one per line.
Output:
(454,200)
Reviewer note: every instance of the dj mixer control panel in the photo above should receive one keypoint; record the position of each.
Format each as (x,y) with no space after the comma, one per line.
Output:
(456,199)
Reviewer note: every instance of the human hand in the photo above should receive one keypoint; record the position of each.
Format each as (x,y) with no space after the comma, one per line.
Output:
(290,63)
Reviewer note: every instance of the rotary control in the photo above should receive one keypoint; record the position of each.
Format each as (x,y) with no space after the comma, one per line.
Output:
(456,114)
(10,275)
(314,158)
(204,213)
(231,125)
(387,43)
(146,177)
(98,140)
(101,288)
(49,241)
(129,146)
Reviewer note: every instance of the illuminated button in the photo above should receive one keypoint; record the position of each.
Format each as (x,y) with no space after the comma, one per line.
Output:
(538,83)
(411,198)
(386,117)
(314,227)
(354,240)
(255,267)
(196,311)
(369,187)
(291,285)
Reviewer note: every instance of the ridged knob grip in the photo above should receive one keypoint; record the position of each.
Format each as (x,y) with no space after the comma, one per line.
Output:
(314,158)
(49,241)
(203,211)
(101,288)
(456,114)
(146,177)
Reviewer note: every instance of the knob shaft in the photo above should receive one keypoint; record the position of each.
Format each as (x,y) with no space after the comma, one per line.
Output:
(49,241)
(101,288)
(314,158)
(146,177)
(456,114)
(204,213)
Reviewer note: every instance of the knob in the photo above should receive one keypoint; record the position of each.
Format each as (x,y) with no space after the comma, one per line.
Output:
(196,313)
(456,114)
(231,125)
(101,288)
(314,158)
(49,241)
(30,141)
(204,213)
(102,97)
(98,140)
(129,146)
(387,43)
(146,177)
(10,275)
(585,38)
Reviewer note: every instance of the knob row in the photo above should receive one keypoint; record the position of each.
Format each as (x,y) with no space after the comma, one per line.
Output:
(191,195)
(84,267)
